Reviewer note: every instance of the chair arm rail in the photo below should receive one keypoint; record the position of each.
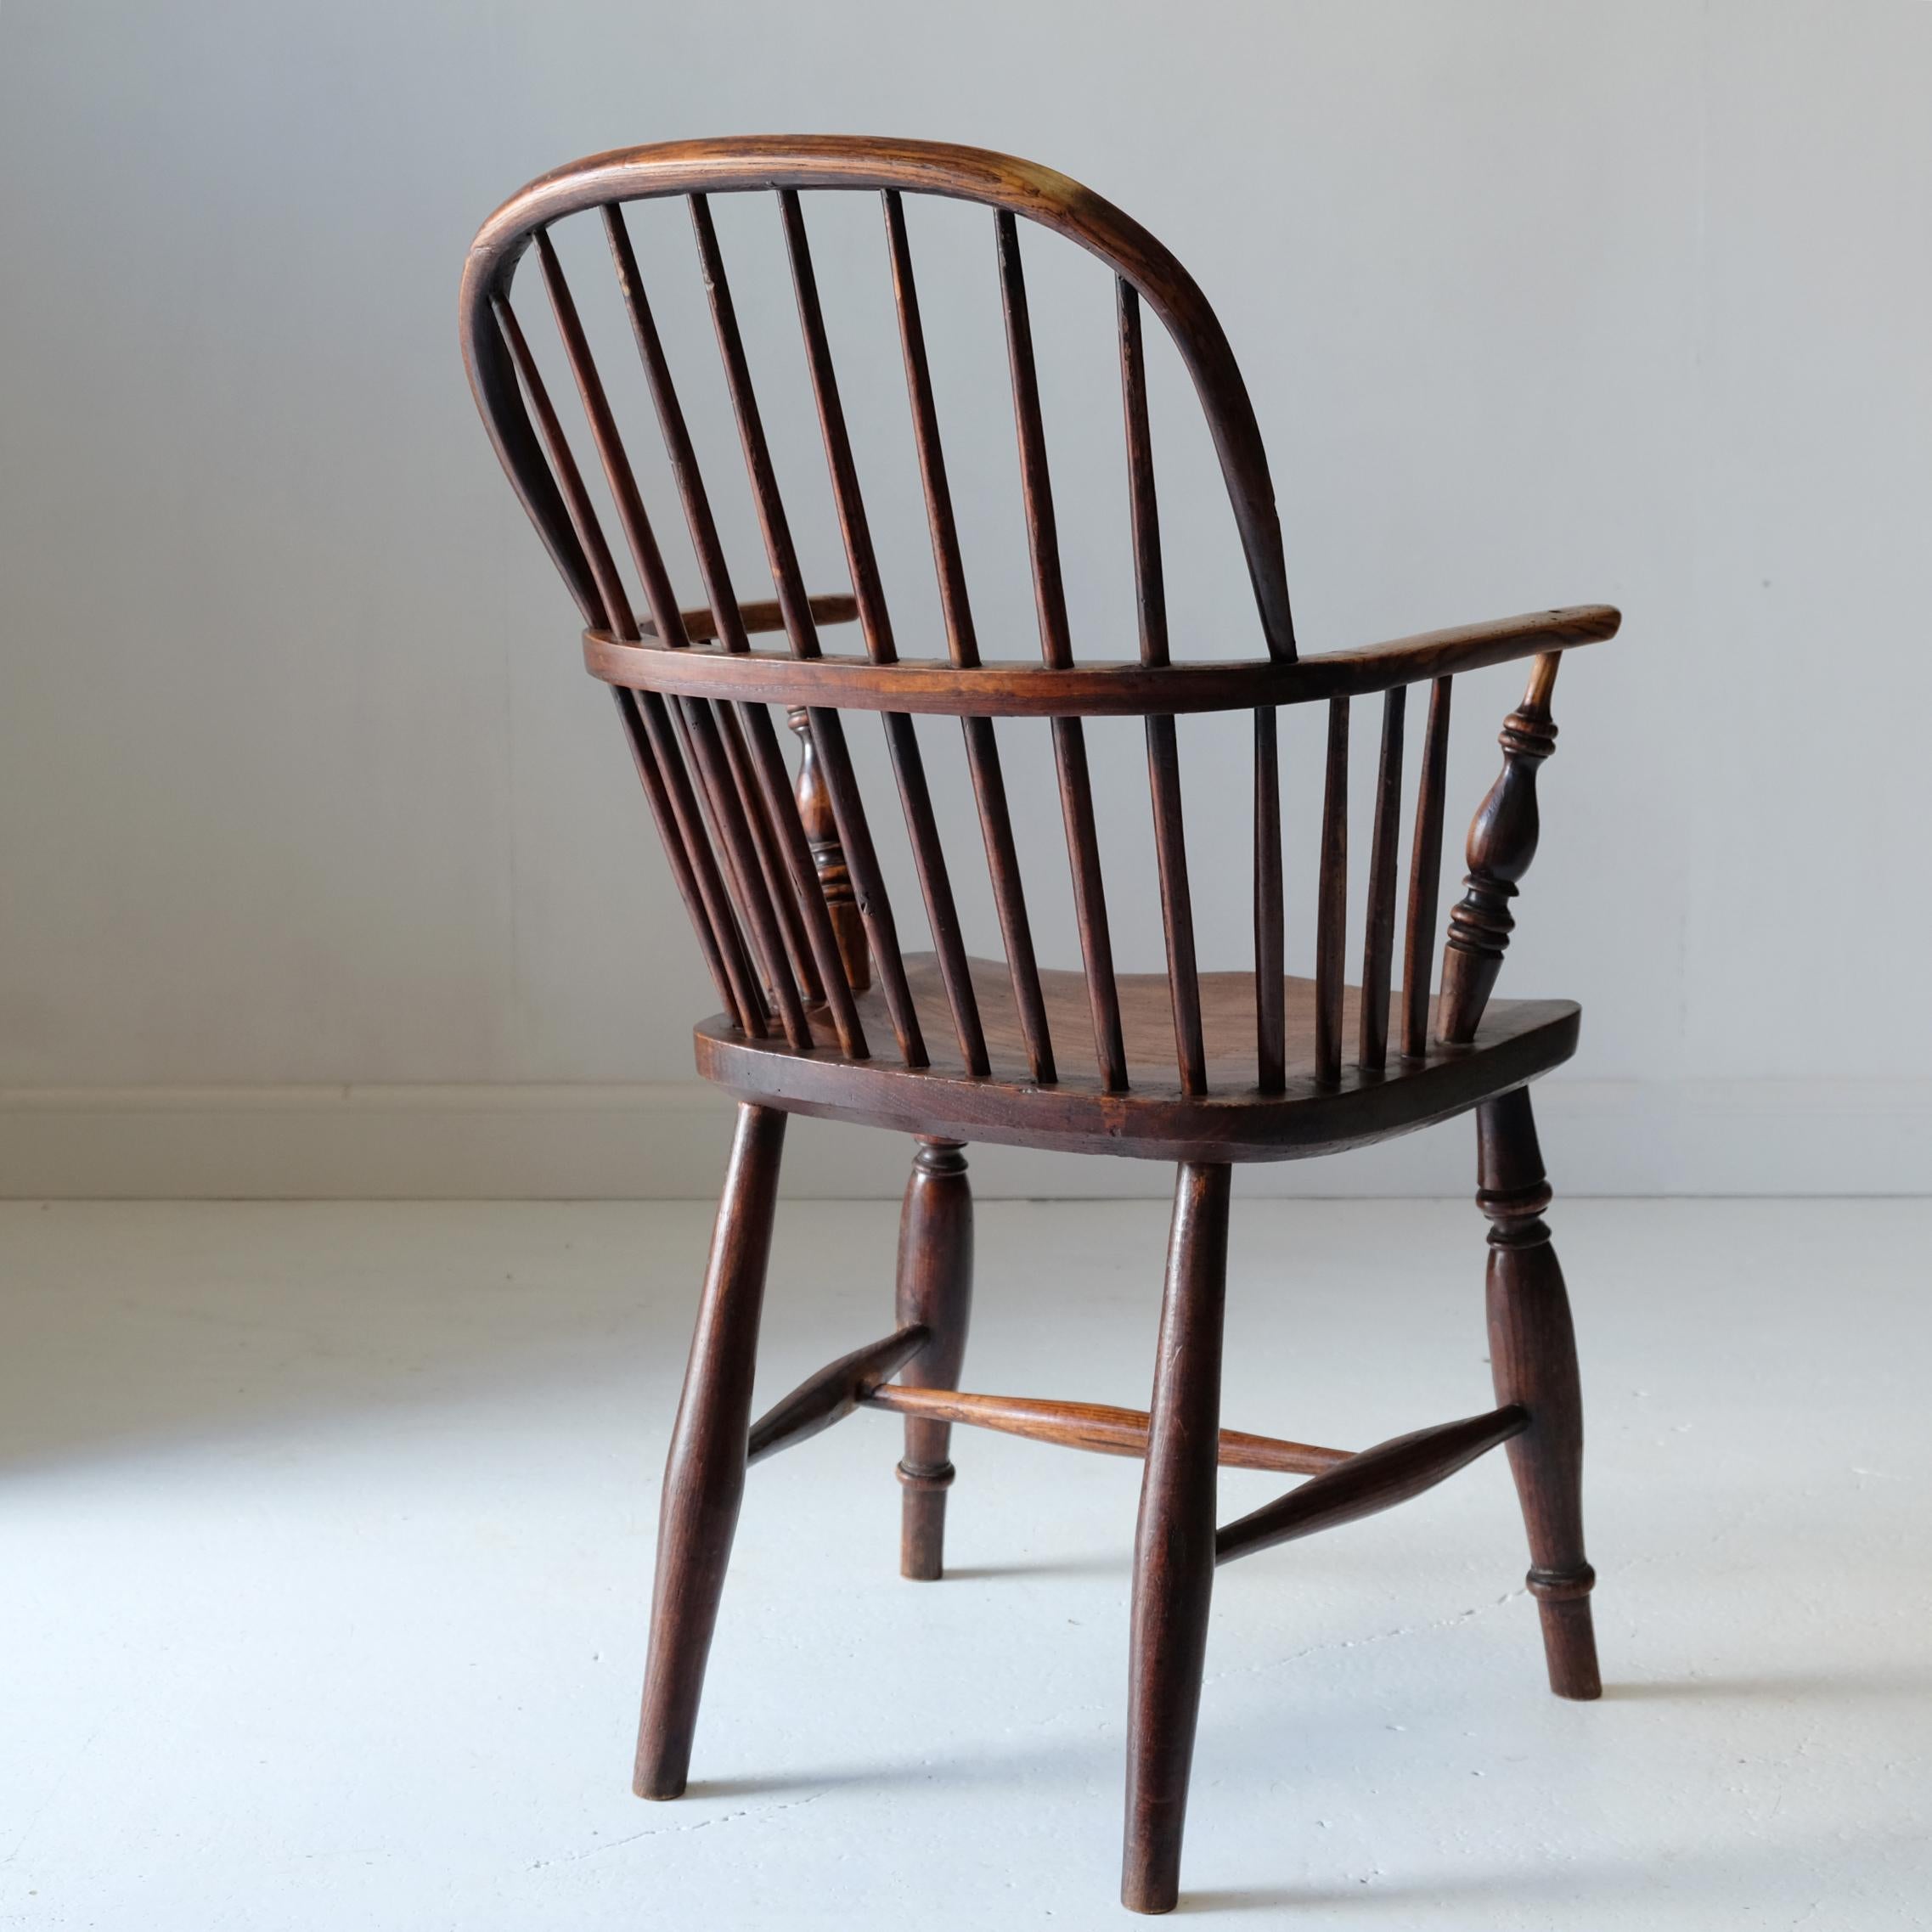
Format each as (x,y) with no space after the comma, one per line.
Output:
(1120,689)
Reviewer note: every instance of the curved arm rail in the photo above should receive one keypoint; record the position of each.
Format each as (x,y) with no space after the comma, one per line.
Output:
(1088,690)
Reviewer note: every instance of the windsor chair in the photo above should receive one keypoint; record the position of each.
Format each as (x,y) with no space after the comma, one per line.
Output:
(825,1013)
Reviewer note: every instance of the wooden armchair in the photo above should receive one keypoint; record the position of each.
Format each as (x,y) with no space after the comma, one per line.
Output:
(824,1012)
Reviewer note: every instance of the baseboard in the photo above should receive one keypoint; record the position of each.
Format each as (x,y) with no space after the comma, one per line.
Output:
(666,1140)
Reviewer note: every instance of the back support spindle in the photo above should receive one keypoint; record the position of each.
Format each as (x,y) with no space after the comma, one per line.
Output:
(1331,901)
(826,727)
(1379,946)
(962,646)
(1050,597)
(615,614)
(909,768)
(1271,988)
(818,962)
(743,838)
(1164,756)
(1425,876)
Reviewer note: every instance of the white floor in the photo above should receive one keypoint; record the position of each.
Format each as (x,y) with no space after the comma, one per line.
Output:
(328,1529)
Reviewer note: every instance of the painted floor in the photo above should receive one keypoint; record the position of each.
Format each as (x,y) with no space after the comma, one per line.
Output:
(326,1534)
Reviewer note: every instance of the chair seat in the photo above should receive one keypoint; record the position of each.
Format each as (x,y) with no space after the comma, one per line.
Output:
(1152,1119)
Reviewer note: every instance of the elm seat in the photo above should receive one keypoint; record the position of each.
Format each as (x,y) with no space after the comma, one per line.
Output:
(823,1009)
(1153,1120)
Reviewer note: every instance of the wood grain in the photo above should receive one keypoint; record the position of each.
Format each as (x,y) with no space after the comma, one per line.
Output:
(787,888)
(1091,1426)
(1376,1480)
(1174,1542)
(704,1477)
(1533,1357)
(934,1290)
(1115,689)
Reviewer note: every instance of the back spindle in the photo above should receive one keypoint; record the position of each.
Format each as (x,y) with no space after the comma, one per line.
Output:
(745,837)
(616,617)
(1049,599)
(1164,757)
(1271,988)
(929,857)
(1425,876)
(1379,947)
(826,728)
(962,646)
(817,952)
(1331,901)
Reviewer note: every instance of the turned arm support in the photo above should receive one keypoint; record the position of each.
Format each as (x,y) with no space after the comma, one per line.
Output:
(1502,842)
(828,857)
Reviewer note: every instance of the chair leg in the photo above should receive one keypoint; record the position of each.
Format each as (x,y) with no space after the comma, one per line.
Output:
(704,1477)
(1533,1355)
(935,1286)
(1174,1548)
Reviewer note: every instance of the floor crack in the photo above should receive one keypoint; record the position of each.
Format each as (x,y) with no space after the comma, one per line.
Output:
(664,1830)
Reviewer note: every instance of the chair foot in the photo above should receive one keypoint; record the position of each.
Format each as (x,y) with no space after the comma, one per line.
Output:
(704,1476)
(935,1287)
(1569,1636)
(1173,1547)
(1533,1357)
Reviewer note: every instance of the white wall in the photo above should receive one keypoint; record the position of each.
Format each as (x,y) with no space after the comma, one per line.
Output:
(324,869)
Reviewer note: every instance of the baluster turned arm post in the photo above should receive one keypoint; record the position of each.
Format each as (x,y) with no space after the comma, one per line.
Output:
(828,857)
(1502,841)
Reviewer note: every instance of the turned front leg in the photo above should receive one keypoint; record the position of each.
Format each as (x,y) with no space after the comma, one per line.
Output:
(1173,1547)
(1533,1358)
(704,1477)
(935,1289)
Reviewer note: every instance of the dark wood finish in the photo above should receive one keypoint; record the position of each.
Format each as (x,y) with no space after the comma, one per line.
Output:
(1009,896)
(868,886)
(831,1395)
(1164,756)
(1056,648)
(1091,1425)
(1425,876)
(828,861)
(794,604)
(1174,1545)
(1119,689)
(719,788)
(907,767)
(934,1291)
(1270,1017)
(704,1477)
(1502,841)
(770,162)
(955,604)
(809,936)
(962,647)
(666,745)
(828,729)
(1378,947)
(1233,1121)
(711,943)
(1331,901)
(1377,1479)
(787,888)
(702,624)
(1533,1358)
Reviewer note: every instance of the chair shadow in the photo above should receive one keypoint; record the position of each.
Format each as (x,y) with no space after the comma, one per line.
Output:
(1115,1565)
(1770,1688)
